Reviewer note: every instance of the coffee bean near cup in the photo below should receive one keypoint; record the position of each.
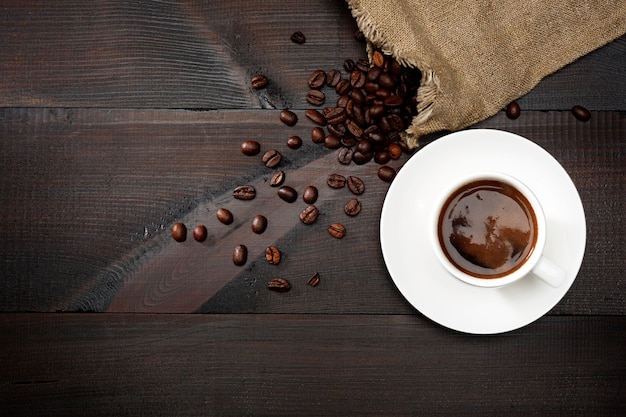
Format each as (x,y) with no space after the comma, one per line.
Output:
(489,230)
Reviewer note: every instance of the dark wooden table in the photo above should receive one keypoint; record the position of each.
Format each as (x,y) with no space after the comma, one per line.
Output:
(119,118)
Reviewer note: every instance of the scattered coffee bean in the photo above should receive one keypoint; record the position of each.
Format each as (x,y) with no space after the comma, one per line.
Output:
(277,179)
(259,81)
(349,65)
(244,192)
(272,158)
(345,156)
(315,97)
(179,232)
(279,285)
(294,142)
(361,158)
(272,255)
(250,147)
(317,79)
(316,117)
(314,280)
(581,113)
(355,185)
(200,233)
(359,36)
(287,193)
(513,110)
(336,181)
(318,135)
(310,194)
(309,214)
(298,37)
(352,207)
(332,142)
(335,116)
(240,255)
(288,117)
(382,157)
(259,224)
(337,230)
(357,78)
(386,173)
(332,78)
(224,216)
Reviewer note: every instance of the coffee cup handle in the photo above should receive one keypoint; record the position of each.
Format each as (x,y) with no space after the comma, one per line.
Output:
(549,272)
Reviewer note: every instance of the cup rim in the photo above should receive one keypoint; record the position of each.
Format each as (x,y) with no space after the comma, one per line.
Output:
(533,258)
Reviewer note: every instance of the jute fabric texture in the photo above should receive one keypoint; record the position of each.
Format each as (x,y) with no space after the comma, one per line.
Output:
(476,56)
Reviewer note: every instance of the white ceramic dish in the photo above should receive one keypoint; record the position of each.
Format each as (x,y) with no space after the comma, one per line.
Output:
(407,247)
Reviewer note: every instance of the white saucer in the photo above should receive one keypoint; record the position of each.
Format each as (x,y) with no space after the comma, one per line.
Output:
(405,231)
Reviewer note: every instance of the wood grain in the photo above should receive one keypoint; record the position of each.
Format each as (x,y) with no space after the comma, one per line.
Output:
(307,365)
(87,225)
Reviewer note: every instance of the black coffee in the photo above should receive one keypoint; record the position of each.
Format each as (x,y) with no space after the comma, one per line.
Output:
(487,229)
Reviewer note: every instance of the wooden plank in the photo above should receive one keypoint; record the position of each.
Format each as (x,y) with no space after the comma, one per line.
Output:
(198,54)
(88,197)
(307,365)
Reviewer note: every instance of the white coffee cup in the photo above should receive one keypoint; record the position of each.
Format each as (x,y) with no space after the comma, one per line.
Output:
(535,262)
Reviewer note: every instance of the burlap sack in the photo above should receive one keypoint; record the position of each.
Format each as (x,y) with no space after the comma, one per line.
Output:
(476,56)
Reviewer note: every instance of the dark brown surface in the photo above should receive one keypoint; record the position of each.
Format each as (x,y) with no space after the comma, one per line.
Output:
(121,118)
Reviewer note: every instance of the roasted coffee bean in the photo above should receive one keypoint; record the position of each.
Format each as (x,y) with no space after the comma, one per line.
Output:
(259,224)
(314,280)
(224,216)
(316,117)
(357,79)
(310,194)
(317,79)
(332,142)
(335,115)
(258,81)
(272,158)
(240,255)
(357,96)
(348,141)
(338,130)
(200,233)
(336,181)
(288,117)
(272,255)
(395,122)
(318,135)
(387,81)
(343,87)
(386,173)
(179,232)
(315,97)
(277,178)
(363,65)
(513,110)
(395,150)
(352,207)
(361,158)
(349,65)
(250,147)
(364,146)
(294,142)
(309,214)
(244,192)
(332,78)
(581,113)
(343,101)
(359,36)
(355,185)
(298,37)
(345,156)
(378,58)
(393,100)
(354,129)
(382,157)
(287,193)
(279,285)
(337,230)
